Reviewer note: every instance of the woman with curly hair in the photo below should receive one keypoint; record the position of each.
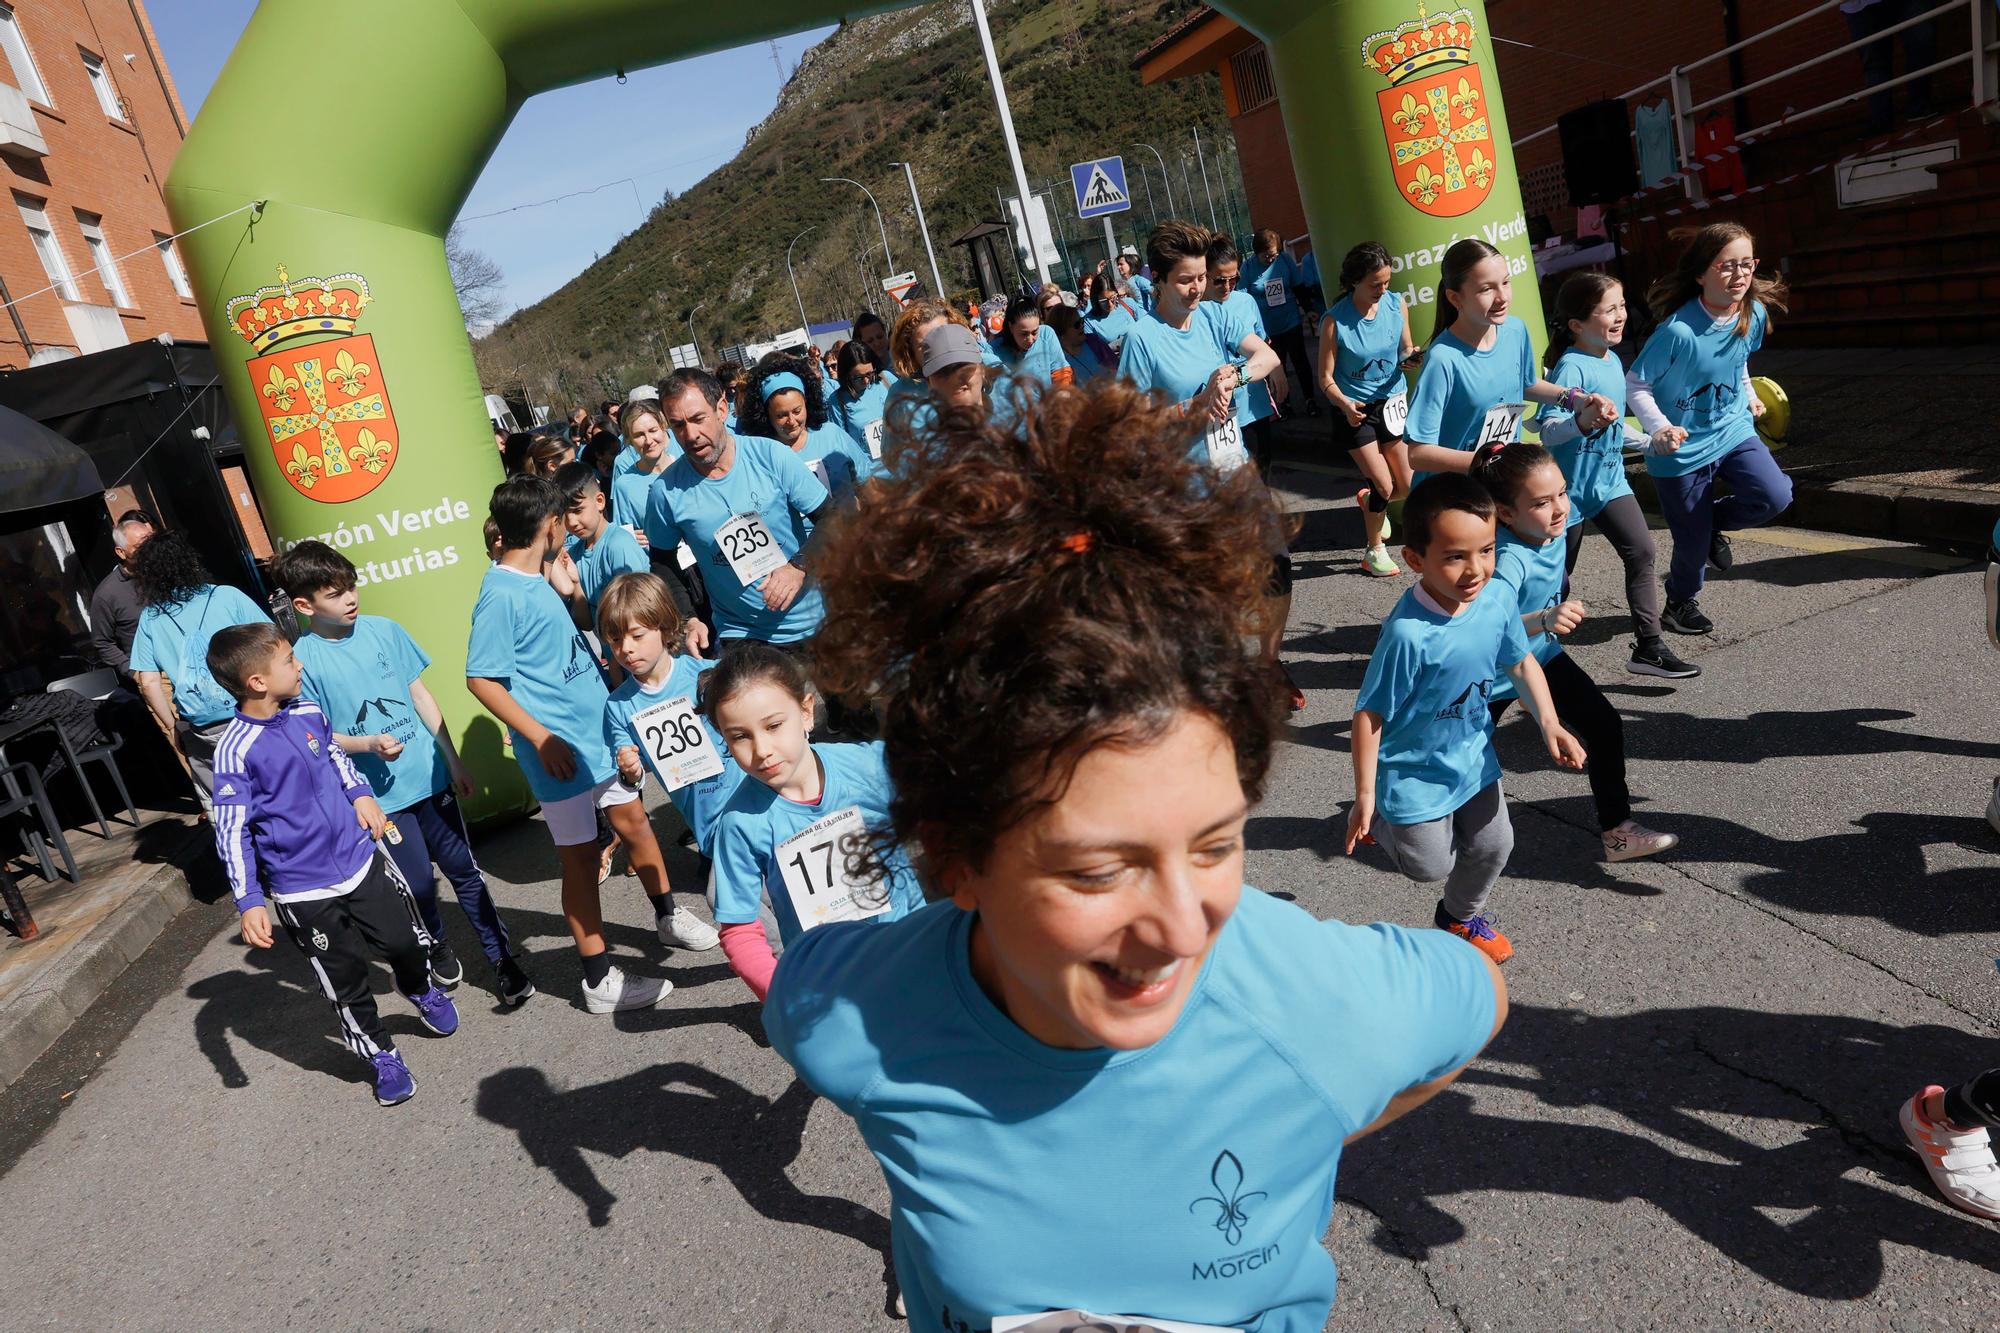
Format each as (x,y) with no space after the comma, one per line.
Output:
(183,609)
(785,401)
(1051,618)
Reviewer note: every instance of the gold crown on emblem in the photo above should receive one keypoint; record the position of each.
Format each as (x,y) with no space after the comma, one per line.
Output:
(295,307)
(1421,45)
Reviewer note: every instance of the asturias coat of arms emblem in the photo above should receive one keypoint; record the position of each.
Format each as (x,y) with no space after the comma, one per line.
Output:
(1434,112)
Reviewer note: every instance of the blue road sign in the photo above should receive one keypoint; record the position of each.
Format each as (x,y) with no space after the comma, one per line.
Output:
(1100,187)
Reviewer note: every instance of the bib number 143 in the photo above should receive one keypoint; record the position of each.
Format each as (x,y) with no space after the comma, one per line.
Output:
(1225,446)
(813,863)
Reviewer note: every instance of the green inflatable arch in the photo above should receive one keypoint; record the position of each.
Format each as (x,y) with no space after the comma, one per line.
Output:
(331,309)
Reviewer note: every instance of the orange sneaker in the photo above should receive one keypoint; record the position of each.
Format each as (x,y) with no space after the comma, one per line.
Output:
(1478,932)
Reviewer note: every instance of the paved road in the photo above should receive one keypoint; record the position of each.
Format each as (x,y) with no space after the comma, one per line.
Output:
(1687,1123)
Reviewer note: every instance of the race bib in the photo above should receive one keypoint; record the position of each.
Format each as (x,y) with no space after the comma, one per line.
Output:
(684,556)
(814,866)
(1080,1321)
(673,737)
(1502,425)
(749,547)
(1395,411)
(1274,291)
(1225,447)
(818,466)
(872,432)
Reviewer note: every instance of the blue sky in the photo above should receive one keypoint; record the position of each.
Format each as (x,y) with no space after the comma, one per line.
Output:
(567,140)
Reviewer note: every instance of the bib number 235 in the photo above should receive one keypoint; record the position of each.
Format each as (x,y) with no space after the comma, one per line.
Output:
(749,547)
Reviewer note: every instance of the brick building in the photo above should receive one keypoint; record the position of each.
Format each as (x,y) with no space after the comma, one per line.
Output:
(89,125)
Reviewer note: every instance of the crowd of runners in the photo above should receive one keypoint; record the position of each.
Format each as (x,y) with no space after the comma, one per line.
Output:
(957,652)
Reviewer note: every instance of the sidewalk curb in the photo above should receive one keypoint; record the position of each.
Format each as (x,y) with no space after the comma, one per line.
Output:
(1927,515)
(33,1020)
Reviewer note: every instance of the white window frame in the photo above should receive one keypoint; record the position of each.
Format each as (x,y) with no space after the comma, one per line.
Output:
(98,245)
(100,83)
(177,272)
(48,247)
(15,43)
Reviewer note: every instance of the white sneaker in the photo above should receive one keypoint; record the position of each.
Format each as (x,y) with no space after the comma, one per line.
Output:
(619,991)
(1630,841)
(685,930)
(1960,1160)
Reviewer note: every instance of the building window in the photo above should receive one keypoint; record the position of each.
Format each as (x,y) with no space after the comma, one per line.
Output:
(100,83)
(92,227)
(1251,69)
(171,258)
(16,47)
(47,249)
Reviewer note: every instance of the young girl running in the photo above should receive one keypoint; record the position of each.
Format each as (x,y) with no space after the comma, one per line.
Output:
(791,837)
(1364,343)
(1532,503)
(1479,368)
(1590,321)
(1690,388)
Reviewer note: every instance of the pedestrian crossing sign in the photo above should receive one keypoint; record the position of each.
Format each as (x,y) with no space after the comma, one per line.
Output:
(1100,187)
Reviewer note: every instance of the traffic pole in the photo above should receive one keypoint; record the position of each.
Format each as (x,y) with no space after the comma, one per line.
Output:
(1007,132)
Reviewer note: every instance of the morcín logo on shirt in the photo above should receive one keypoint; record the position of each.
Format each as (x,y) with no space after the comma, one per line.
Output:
(1475,695)
(1230,1210)
(1708,402)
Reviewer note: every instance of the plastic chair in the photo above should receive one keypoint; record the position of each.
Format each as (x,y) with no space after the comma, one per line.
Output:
(97,686)
(33,798)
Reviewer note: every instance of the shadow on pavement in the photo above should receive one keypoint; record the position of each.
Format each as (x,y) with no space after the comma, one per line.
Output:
(1719,1093)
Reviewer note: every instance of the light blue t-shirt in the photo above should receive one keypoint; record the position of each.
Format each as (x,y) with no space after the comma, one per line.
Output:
(1242,319)
(1086,365)
(522,637)
(768,480)
(1176,362)
(1429,680)
(861,415)
(1695,363)
(624,460)
(834,457)
(362,683)
(1309,270)
(1593,465)
(173,637)
(756,821)
(1533,577)
(1117,320)
(699,802)
(1459,384)
(1142,291)
(617,552)
(1275,288)
(1366,362)
(1026,1178)
(632,490)
(1041,361)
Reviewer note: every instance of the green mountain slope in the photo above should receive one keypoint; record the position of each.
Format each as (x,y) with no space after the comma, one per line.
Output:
(905,85)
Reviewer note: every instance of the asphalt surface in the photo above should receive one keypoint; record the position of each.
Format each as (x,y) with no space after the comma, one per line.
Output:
(1688,1121)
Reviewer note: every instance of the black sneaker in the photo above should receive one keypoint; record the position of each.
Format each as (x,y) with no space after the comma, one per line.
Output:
(1656,659)
(1720,556)
(1685,618)
(515,988)
(446,970)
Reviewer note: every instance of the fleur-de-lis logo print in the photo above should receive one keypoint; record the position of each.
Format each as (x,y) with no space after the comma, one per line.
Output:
(1409,115)
(349,374)
(281,388)
(1232,1206)
(1465,101)
(1427,185)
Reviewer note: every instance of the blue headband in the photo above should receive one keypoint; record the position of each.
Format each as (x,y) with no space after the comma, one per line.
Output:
(780,382)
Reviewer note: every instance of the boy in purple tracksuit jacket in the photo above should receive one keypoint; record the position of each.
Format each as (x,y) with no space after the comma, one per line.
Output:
(297,825)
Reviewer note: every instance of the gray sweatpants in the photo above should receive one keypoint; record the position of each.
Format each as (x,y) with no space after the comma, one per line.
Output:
(1467,849)
(198,746)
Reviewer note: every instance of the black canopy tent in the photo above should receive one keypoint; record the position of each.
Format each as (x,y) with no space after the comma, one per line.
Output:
(39,467)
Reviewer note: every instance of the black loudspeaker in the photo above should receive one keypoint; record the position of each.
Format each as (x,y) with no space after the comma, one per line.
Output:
(1598,165)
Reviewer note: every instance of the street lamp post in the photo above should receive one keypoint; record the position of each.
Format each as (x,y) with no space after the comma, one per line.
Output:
(804,323)
(1007,133)
(887,258)
(937,281)
(692,337)
(1212,224)
(1165,179)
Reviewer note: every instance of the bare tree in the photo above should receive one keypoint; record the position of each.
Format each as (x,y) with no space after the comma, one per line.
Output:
(477,279)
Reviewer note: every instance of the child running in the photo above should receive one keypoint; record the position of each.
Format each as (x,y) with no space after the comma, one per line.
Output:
(1590,321)
(532,669)
(297,826)
(1532,501)
(1690,388)
(598,549)
(1422,725)
(366,674)
(1479,369)
(793,836)
(1364,344)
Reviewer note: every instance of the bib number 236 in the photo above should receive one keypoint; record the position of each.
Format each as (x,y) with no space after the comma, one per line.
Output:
(814,865)
(749,547)
(677,743)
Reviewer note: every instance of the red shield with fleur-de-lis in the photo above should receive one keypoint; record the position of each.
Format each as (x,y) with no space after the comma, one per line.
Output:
(1440,141)
(327,413)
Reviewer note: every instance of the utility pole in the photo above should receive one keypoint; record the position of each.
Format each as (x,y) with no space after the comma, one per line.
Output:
(804,323)
(1212,224)
(887,258)
(1165,179)
(691,333)
(937,281)
(1007,132)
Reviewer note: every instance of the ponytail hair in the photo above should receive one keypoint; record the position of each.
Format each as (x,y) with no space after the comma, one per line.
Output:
(1362,262)
(1504,468)
(1674,290)
(1458,262)
(1579,298)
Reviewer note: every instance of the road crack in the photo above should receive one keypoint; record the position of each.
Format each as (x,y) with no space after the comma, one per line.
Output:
(1408,1251)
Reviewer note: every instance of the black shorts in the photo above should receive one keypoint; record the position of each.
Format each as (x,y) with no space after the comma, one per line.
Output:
(1370,431)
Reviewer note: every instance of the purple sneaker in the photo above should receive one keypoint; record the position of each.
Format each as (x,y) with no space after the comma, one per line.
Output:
(393,1083)
(436,1011)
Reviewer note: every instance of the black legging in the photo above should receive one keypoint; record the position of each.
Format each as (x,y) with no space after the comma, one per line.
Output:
(1975,1101)
(1291,349)
(1590,717)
